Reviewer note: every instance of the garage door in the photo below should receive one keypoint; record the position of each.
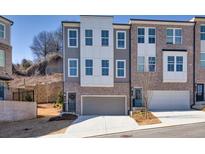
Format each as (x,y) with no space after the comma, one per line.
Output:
(103,105)
(169,100)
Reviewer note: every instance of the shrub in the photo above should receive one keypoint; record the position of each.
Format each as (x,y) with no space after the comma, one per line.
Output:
(59,100)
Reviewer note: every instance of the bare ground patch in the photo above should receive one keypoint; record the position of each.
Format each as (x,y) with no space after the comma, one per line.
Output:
(35,127)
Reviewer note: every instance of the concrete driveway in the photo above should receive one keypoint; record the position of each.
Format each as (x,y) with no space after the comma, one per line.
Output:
(86,126)
(180,117)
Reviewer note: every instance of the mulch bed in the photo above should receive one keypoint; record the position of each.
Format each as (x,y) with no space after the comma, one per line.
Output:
(64,117)
(141,119)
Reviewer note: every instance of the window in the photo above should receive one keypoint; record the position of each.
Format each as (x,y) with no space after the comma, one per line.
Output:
(140,64)
(152,64)
(105,38)
(202,59)
(2,31)
(72,67)
(202,32)
(179,64)
(140,35)
(120,68)
(105,67)
(73,38)
(2,58)
(88,37)
(151,33)
(174,36)
(89,67)
(121,37)
(170,66)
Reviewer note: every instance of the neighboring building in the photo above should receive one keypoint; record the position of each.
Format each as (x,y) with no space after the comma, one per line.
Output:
(5,57)
(199,58)
(163,49)
(105,64)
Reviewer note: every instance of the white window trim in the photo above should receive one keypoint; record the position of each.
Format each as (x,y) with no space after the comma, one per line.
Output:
(141,35)
(151,35)
(72,29)
(200,58)
(69,59)
(4,63)
(152,64)
(201,32)
(174,29)
(88,37)
(140,64)
(4,30)
(105,38)
(105,67)
(117,47)
(177,63)
(89,67)
(116,71)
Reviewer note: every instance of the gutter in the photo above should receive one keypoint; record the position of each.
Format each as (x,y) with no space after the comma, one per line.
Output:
(194,65)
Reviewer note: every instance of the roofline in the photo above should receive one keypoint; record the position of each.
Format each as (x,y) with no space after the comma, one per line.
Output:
(7,20)
(178,21)
(70,22)
(98,15)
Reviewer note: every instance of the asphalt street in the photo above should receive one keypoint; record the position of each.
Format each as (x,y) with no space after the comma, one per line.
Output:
(196,130)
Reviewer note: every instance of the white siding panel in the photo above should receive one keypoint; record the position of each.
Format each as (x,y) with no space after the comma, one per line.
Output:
(96,52)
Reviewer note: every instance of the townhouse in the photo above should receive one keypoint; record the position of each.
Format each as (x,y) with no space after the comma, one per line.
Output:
(96,66)
(5,57)
(105,64)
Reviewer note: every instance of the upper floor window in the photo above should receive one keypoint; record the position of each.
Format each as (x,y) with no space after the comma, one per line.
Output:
(152,64)
(121,40)
(73,67)
(140,64)
(202,32)
(151,33)
(73,38)
(105,67)
(105,38)
(2,58)
(88,37)
(170,63)
(202,59)
(174,36)
(2,30)
(120,68)
(89,67)
(141,35)
(179,63)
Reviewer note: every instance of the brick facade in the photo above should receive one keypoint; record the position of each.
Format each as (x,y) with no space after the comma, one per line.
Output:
(157,77)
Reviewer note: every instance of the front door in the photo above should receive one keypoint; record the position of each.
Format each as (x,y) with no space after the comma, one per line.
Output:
(1,91)
(200,92)
(72,102)
(137,100)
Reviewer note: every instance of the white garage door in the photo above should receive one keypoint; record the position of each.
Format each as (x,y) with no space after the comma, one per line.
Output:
(169,100)
(98,105)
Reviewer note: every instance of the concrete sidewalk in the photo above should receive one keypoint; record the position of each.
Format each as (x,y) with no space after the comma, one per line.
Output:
(90,126)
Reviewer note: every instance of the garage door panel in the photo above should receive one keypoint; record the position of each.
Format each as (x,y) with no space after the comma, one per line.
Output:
(169,100)
(103,105)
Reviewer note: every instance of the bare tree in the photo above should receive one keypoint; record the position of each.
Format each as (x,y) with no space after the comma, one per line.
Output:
(46,42)
(147,87)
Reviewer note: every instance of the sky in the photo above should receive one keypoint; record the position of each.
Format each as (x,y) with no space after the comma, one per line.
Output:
(26,27)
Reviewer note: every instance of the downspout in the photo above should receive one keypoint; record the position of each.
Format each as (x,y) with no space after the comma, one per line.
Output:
(130,88)
(194,65)
(64,109)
